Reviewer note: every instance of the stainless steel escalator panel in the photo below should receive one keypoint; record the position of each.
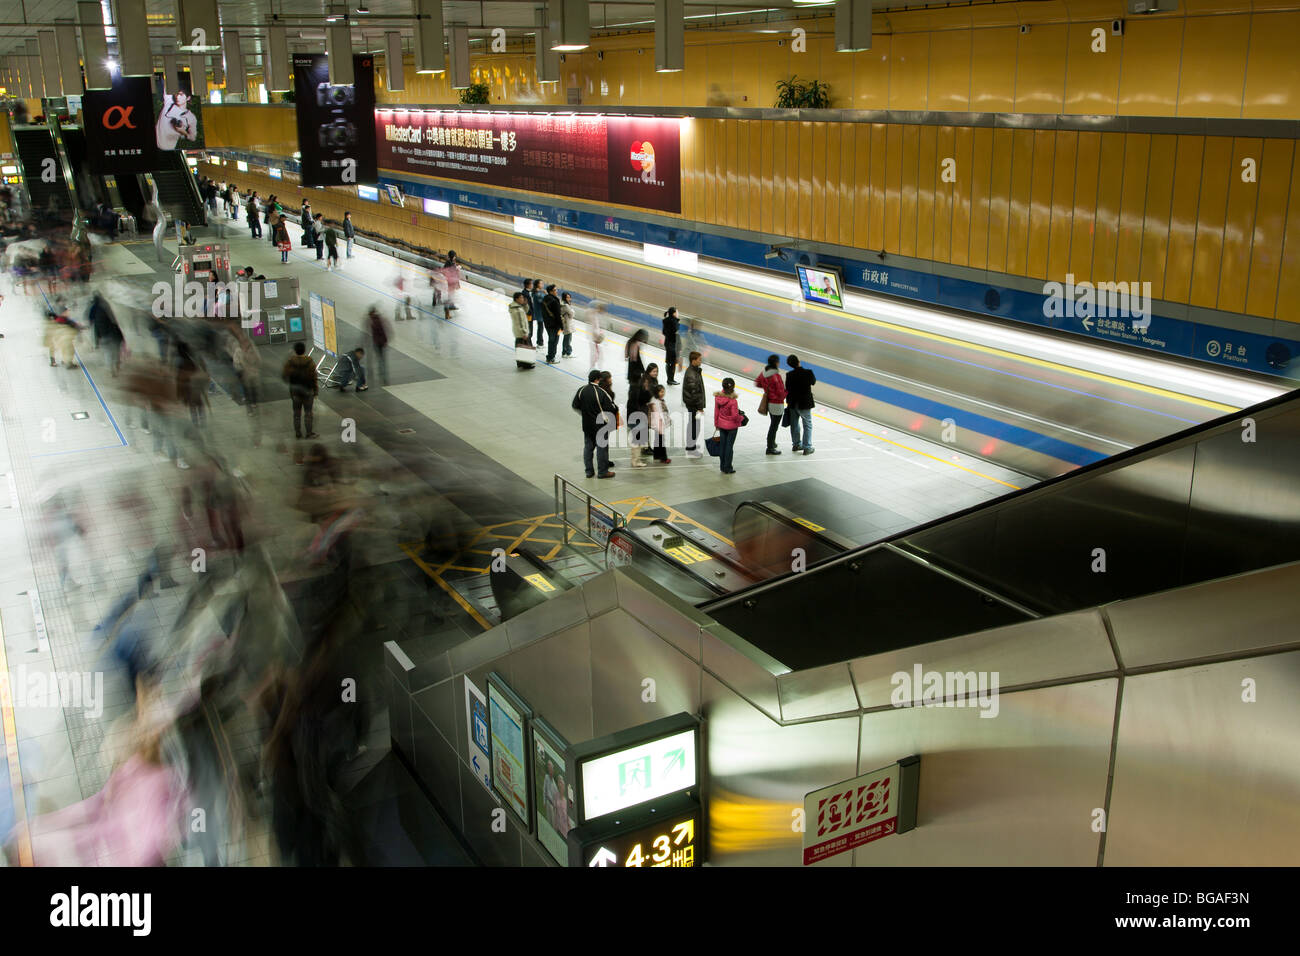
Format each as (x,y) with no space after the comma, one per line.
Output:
(879,600)
(1045,549)
(1187,624)
(767,536)
(1203,777)
(1245,500)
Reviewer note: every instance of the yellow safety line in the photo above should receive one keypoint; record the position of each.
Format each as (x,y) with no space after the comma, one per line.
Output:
(465,605)
(10,728)
(881,323)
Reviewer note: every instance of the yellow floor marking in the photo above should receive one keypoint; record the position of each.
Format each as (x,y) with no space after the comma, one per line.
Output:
(465,605)
(10,728)
(881,323)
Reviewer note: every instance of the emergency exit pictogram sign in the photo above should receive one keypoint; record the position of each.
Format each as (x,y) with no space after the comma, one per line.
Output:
(850,814)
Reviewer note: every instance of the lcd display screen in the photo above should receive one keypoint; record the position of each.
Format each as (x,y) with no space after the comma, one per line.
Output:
(822,286)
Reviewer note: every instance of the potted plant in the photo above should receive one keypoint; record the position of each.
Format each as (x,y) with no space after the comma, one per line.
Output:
(475,93)
(794,94)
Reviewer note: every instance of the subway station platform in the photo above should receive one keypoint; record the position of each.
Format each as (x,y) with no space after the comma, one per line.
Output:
(456,416)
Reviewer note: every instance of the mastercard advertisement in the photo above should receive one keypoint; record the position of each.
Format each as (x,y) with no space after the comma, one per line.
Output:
(631,160)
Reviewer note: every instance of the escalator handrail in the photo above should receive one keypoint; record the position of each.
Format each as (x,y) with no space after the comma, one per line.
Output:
(667,559)
(786,518)
(1115,462)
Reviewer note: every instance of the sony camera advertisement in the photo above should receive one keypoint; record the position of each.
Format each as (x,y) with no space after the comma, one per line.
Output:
(119,126)
(336,131)
(180,113)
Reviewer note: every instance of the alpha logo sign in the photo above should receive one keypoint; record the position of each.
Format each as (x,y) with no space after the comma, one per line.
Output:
(119,127)
(116,117)
(855,812)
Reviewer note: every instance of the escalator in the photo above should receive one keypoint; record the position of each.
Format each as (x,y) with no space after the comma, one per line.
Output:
(1216,500)
(177,190)
(42,172)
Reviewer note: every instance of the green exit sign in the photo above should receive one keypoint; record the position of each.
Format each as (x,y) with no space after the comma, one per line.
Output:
(636,766)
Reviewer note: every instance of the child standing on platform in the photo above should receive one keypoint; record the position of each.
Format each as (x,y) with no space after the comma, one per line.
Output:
(659,423)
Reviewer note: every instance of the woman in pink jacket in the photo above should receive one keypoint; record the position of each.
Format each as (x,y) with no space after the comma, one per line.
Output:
(769,380)
(727,419)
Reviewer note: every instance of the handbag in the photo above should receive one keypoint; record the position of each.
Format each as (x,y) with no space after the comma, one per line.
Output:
(744,419)
(762,406)
(785,417)
(713,445)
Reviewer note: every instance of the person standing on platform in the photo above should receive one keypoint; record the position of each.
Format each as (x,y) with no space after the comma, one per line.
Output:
(659,423)
(727,420)
(693,398)
(318,235)
(331,240)
(300,372)
(553,321)
(566,320)
(671,322)
(539,310)
(451,277)
(519,319)
(528,307)
(349,232)
(798,387)
(280,236)
(638,423)
(254,218)
(596,313)
(773,403)
(304,214)
(595,402)
(632,352)
(378,330)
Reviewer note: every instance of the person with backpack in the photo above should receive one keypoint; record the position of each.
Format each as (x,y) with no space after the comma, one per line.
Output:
(595,403)
(799,382)
(773,403)
(671,323)
(693,398)
(553,321)
(300,372)
(727,419)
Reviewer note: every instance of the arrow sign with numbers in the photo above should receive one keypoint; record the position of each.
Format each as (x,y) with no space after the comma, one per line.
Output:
(684,831)
(603,858)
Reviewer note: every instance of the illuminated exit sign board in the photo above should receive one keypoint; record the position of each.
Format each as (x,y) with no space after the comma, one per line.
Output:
(637,766)
(662,833)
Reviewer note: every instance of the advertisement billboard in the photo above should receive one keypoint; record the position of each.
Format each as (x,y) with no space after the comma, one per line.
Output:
(553,790)
(632,160)
(508,719)
(336,135)
(120,127)
(180,114)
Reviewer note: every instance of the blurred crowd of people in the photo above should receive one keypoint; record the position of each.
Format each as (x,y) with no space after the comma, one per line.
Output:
(253,700)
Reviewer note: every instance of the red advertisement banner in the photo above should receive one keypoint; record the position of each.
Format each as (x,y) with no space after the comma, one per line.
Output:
(631,160)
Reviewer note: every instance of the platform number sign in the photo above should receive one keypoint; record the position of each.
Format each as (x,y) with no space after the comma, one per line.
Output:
(664,832)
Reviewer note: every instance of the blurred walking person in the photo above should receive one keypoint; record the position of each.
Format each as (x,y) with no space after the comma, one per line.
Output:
(671,323)
(378,330)
(300,372)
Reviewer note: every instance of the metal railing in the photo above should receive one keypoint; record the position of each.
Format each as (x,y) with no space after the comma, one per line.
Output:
(601,518)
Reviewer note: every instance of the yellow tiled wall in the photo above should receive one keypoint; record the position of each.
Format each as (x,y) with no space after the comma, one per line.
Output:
(1210,58)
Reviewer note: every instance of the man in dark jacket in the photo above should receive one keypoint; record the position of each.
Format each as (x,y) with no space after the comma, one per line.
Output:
(539,309)
(349,232)
(799,399)
(595,401)
(693,398)
(553,321)
(300,373)
(671,322)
